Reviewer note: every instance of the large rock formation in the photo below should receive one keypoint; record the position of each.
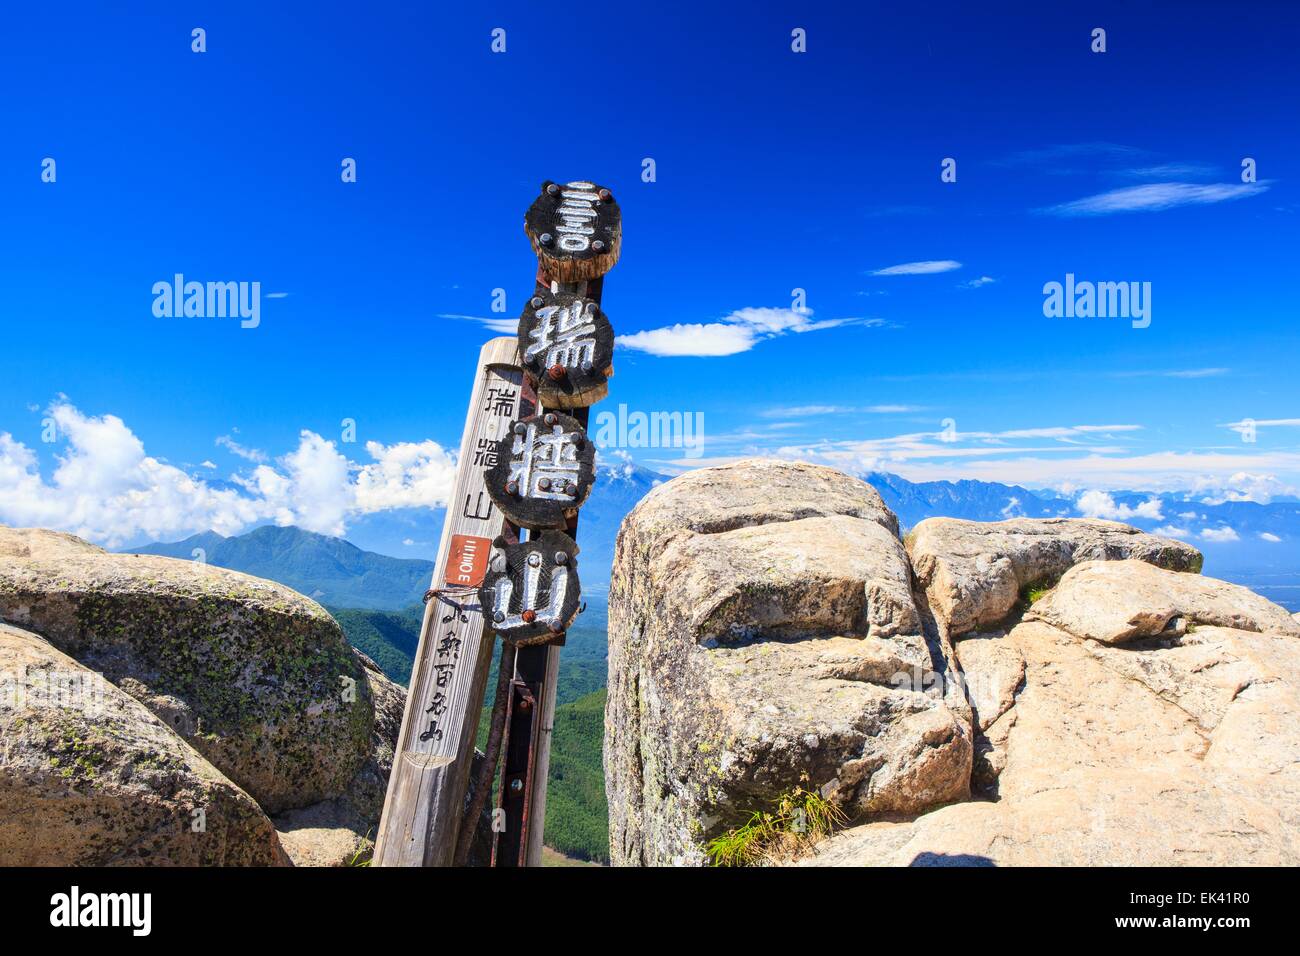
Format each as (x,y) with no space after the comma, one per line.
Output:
(1169,745)
(1138,713)
(90,777)
(763,635)
(973,572)
(255,677)
(258,678)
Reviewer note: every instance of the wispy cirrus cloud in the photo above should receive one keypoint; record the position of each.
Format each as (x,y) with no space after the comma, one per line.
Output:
(1211,372)
(1092,152)
(738,332)
(808,411)
(977,283)
(923,268)
(1156,197)
(1172,171)
(1249,424)
(229,443)
(502,326)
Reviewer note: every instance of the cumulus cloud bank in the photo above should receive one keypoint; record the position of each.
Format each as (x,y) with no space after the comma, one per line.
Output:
(107,488)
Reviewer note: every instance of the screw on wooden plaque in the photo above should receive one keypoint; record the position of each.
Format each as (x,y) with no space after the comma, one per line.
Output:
(598,245)
(605,194)
(519,428)
(499,616)
(553,189)
(561,558)
(557,372)
(529,616)
(512,487)
(544,484)
(537,302)
(517,784)
(550,418)
(546,239)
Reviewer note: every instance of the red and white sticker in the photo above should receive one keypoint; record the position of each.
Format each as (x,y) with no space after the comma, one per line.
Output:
(468,560)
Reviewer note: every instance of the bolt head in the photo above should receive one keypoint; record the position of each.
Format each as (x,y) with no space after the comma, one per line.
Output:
(520,428)
(598,245)
(553,189)
(544,484)
(561,558)
(529,616)
(499,616)
(516,785)
(534,559)
(546,238)
(537,302)
(587,366)
(550,418)
(556,627)
(556,372)
(512,487)
(605,194)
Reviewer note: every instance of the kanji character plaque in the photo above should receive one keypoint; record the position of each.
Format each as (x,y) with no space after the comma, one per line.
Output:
(531,592)
(576,230)
(567,345)
(543,471)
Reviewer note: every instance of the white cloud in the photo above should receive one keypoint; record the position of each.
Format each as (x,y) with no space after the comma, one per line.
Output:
(1171,531)
(106,488)
(497,324)
(1223,533)
(208,464)
(1241,486)
(977,283)
(924,268)
(1247,423)
(235,448)
(738,332)
(809,411)
(1099,504)
(1196,372)
(1269,536)
(1155,197)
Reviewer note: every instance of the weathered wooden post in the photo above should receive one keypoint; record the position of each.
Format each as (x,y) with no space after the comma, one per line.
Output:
(426,789)
(525,463)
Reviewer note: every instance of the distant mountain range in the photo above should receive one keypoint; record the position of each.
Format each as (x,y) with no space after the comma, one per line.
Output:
(1254,544)
(329,570)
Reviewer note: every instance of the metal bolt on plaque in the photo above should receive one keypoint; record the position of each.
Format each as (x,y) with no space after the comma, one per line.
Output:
(531,592)
(544,470)
(576,230)
(567,346)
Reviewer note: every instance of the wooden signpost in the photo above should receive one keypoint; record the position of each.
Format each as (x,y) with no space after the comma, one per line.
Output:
(426,789)
(507,562)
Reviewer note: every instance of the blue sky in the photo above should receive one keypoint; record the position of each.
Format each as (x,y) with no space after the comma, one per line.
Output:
(775,171)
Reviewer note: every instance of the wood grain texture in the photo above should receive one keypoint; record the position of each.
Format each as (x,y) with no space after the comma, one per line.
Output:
(426,789)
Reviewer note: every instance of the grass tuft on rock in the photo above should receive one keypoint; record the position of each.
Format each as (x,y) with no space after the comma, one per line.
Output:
(799,819)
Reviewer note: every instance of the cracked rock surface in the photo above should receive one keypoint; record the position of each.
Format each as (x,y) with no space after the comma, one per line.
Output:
(764,635)
(767,631)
